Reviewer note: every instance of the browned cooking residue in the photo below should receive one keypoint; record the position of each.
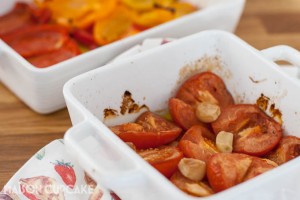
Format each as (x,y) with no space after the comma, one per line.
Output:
(276,114)
(109,112)
(262,102)
(256,81)
(128,104)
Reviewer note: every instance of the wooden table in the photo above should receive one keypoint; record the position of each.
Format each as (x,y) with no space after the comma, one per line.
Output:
(265,23)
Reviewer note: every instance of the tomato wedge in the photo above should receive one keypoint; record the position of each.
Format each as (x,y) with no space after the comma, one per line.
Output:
(149,131)
(198,143)
(85,37)
(255,133)
(41,15)
(37,40)
(205,87)
(183,114)
(259,166)
(195,188)
(288,149)
(164,159)
(18,18)
(225,170)
(67,51)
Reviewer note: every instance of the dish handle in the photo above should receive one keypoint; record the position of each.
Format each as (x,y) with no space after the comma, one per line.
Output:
(285,53)
(101,157)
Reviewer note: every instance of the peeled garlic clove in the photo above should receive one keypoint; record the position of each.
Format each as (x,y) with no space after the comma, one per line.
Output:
(193,169)
(207,112)
(206,96)
(224,141)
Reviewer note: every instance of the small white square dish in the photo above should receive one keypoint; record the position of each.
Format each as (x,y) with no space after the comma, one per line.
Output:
(152,77)
(41,89)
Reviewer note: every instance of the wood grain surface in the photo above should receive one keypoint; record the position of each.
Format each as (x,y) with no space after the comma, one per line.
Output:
(264,23)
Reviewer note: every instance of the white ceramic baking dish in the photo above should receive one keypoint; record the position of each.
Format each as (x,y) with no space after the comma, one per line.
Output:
(152,77)
(41,89)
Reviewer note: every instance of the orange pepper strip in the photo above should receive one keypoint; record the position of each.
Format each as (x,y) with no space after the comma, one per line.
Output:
(153,17)
(139,5)
(78,13)
(114,27)
(97,12)
(164,3)
(182,8)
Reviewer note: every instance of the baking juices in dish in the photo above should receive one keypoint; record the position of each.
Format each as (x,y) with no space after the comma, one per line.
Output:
(210,144)
(47,32)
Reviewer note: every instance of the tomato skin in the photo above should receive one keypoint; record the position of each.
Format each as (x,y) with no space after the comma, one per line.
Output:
(225,170)
(188,185)
(264,135)
(149,131)
(37,40)
(164,159)
(288,149)
(67,51)
(259,166)
(85,38)
(41,15)
(18,18)
(183,114)
(204,82)
(198,143)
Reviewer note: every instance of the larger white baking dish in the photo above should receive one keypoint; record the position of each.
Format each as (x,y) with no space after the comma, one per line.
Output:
(152,77)
(41,89)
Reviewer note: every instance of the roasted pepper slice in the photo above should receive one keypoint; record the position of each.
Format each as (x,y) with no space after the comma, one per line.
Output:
(78,13)
(114,27)
(183,8)
(140,5)
(153,17)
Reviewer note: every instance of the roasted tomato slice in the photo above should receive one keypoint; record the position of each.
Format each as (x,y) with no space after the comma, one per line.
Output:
(255,133)
(41,15)
(67,51)
(259,166)
(37,40)
(198,143)
(16,19)
(164,159)
(183,114)
(85,37)
(205,87)
(195,188)
(288,149)
(149,131)
(225,170)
